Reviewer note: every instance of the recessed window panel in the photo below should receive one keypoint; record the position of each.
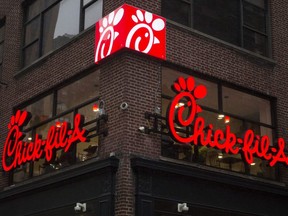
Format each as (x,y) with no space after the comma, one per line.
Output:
(34,9)
(78,92)
(255,42)
(254,17)
(61,23)
(32,31)
(247,106)
(219,18)
(224,19)
(258,3)
(31,53)
(93,13)
(176,10)
(54,23)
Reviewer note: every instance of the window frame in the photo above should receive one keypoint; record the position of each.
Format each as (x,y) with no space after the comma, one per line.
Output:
(26,4)
(220,84)
(74,110)
(242,26)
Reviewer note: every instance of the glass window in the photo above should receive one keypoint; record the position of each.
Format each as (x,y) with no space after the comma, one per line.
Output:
(181,11)
(254,17)
(93,13)
(246,105)
(242,111)
(60,22)
(41,110)
(32,31)
(255,42)
(169,76)
(220,19)
(44,116)
(78,92)
(31,53)
(223,19)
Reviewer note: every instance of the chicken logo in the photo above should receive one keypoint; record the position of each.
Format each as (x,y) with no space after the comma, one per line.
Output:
(132,28)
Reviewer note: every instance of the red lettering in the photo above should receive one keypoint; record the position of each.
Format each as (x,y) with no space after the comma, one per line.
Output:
(251,145)
(280,155)
(17,152)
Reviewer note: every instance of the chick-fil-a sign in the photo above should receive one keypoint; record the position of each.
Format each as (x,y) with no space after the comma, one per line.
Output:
(17,151)
(250,145)
(133,28)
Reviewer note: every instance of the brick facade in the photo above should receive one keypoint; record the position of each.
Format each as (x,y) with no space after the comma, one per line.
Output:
(136,79)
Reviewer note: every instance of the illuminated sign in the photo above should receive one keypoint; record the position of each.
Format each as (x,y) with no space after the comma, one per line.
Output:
(17,151)
(250,145)
(132,28)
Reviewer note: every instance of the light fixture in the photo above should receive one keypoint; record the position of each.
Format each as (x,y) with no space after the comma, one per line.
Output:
(182,207)
(157,110)
(253,164)
(180,104)
(29,138)
(220,116)
(80,207)
(220,155)
(101,107)
(95,108)
(141,129)
(58,124)
(226,119)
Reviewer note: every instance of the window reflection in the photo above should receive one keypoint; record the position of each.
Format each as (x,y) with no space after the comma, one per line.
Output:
(41,110)
(53,110)
(78,92)
(93,13)
(255,109)
(61,23)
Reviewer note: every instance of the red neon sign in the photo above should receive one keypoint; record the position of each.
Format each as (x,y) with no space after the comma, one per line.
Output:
(250,145)
(17,152)
(132,28)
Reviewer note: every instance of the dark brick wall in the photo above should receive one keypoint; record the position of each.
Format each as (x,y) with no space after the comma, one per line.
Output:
(134,78)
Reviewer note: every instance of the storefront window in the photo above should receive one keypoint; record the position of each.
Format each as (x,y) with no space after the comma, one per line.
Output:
(77,97)
(41,109)
(49,24)
(78,92)
(229,107)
